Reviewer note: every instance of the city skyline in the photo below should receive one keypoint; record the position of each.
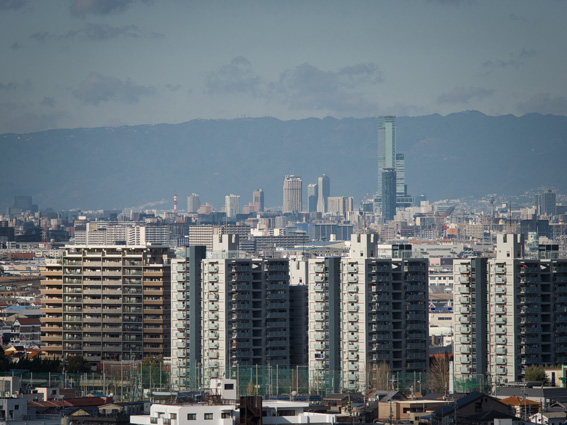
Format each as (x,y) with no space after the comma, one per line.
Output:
(72,64)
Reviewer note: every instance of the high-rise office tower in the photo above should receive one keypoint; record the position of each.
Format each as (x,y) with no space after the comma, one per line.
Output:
(312,195)
(388,193)
(388,158)
(292,194)
(258,200)
(232,205)
(525,312)
(245,305)
(324,186)
(193,203)
(546,203)
(186,332)
(386,146)
(107,303)
(379,309)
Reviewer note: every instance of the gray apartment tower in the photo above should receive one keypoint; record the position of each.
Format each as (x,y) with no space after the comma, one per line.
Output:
(381,316)
(186,313)
(525,314)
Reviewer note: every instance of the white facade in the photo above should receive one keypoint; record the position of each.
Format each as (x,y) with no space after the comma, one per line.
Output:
(232,205)
(292,194)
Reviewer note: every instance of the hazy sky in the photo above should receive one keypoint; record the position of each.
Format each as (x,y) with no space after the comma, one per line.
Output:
(89,63)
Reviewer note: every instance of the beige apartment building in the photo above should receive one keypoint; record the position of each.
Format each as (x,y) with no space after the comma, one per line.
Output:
(107,303)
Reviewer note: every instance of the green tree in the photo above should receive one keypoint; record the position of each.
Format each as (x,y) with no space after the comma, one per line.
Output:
(535,373)
(77,364)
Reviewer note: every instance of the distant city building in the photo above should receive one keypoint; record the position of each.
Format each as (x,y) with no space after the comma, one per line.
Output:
(312,197)
(232,205)
(388,193)
(546,203)
(193,203)
(107,303)
(258,200)
(340,205)
(292,193)
(324,186)
(388,158)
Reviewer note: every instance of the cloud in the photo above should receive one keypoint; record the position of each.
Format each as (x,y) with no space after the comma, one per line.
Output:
(342,91)
(235,77)
(12,4)
(11,86)
(81,8)
(97,88)
(16,46)
(42,36)
(96,32)
(104,32)
(464,95)
(48,101)
(544,103)
(515,60)
(305,87)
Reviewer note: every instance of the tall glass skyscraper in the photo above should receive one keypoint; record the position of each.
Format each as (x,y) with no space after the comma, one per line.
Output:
(386,146)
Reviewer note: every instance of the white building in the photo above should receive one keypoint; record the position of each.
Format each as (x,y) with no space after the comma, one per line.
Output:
(232,205)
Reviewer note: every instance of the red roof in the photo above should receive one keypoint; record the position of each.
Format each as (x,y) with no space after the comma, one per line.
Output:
(29,321)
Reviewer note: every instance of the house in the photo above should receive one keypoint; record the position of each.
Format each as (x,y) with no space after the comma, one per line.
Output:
(522,406)
(552,416)
(467,407)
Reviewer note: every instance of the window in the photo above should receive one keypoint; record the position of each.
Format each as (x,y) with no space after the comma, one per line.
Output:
(173,416)
(228,386)
(191,416)
(208,416)
(225,415)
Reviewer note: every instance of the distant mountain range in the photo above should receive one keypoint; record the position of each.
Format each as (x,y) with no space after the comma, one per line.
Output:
(458,155)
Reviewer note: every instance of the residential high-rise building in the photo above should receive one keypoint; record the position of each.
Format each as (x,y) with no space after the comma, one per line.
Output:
(245,304)
(292,193)
(232,205)
(193,203)
(388,193)
(365,311)
(107,303)
(324,186)
(312,197)
(525,312)
(258,200)
(186,317)
(470,318)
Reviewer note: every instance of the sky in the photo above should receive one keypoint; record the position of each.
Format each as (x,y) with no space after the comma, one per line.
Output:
(92,63)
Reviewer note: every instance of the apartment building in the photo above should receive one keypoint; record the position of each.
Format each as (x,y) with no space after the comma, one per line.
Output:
(525,311)
(186,317)
(245,310)
(365,311)
(107,303)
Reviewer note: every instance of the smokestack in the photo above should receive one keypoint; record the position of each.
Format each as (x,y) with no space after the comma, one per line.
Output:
(175,203)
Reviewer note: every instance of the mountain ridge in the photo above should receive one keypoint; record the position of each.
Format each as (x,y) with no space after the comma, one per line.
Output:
(461,154)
